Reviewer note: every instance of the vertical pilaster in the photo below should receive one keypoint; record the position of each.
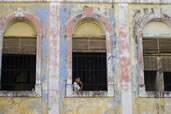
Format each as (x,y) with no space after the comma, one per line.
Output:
(125,59)
(53,106)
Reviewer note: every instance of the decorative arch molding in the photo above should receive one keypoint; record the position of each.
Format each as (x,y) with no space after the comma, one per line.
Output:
(22,15)
(156,16)
(91,26)
(83,16)
(103,21)
(148,18)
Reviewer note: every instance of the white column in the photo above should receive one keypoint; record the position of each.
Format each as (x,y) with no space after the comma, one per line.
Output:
(125,59)
(53,63)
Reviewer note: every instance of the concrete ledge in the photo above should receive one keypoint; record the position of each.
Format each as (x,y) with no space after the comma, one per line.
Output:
(71,93)
(34,93)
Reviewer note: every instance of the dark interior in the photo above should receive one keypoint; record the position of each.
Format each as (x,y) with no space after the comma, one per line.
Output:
(18,72)
(92,69)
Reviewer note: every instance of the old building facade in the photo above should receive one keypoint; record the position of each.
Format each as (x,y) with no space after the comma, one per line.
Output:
(120,49)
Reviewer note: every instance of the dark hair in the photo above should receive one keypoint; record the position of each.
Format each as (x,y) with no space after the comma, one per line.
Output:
(77,77)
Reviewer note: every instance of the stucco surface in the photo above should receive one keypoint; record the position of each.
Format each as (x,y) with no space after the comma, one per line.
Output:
(29,105)
(126,59)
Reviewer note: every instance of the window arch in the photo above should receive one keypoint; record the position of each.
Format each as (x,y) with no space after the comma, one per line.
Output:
(29,32)
(147,30)
(157,56)
(96,40)
(18,70)
(89,55)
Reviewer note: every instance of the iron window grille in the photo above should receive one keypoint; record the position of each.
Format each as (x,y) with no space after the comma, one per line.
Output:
(89,62)
(157,64)
(18,70)
(92,69)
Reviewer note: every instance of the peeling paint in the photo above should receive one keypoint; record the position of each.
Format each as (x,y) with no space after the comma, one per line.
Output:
(123,23)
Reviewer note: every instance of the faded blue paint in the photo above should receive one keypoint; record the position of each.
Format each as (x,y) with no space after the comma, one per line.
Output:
(115,64)
(45,47)
(44,65)
(115,47)
(111,16)
(63,85)
(65,11)
(64,17)
(42,12)
(118,100)
(45,96)
(63,70)
(66,14)
(43,77)
(63,62)
(63,49)
(115,59)
(10,6)
(135,89)
(44,58)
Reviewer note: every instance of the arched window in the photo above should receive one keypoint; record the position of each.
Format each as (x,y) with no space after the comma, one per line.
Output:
(89,55)
(157,56)
(18,70)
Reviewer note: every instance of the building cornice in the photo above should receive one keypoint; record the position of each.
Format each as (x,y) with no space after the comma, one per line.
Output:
(98,1)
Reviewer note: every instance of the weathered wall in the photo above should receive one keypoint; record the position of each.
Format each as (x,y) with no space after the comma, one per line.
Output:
(29,105)
(54,17)
(126,84)
(91,106)
(22,106)
(87,105)
(144,105)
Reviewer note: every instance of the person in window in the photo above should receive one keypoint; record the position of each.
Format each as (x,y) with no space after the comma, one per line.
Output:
(78,84)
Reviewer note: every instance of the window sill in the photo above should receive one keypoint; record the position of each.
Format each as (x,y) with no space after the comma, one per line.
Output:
(71,93)
(153,94)
(34,93)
